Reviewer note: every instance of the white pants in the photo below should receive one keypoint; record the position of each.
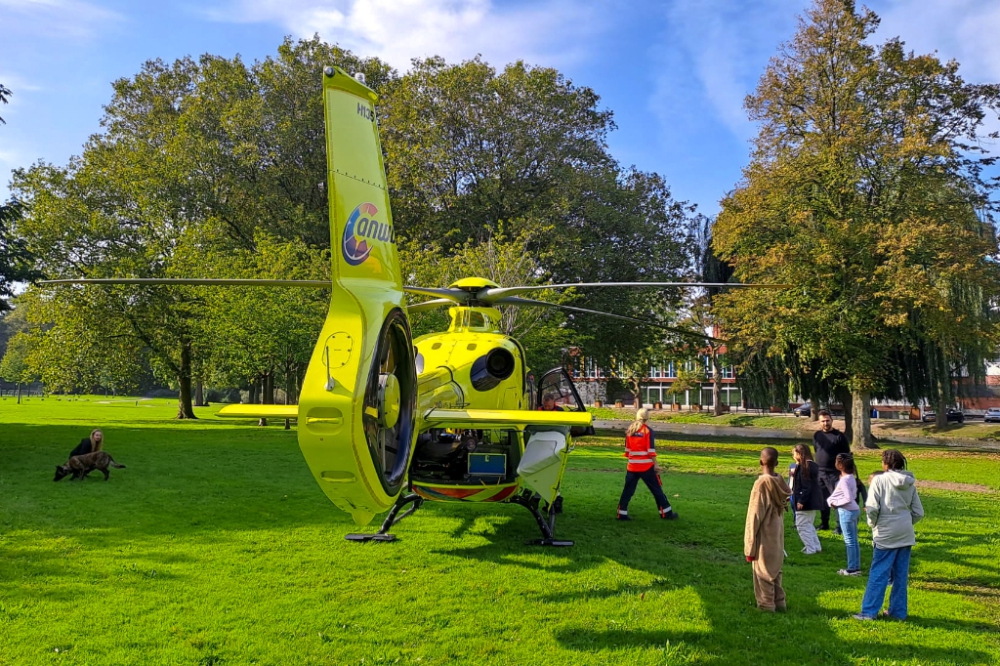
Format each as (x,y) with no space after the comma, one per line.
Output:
(805,523)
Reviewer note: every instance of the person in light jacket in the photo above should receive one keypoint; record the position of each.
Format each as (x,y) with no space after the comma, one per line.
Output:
(844,499)
(893,507)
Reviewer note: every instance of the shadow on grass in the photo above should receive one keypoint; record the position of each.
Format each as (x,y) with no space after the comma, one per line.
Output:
(702,553)
(251,486)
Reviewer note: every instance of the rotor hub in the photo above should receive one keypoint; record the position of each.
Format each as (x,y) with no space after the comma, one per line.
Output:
(388,400)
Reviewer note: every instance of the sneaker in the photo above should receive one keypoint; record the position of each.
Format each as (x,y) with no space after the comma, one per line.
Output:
(850,572)
(859,616)
(823,527)
(885,616)
(671,516)
(625,517)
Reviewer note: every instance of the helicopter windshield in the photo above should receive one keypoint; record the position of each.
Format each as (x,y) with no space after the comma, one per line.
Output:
(557,392)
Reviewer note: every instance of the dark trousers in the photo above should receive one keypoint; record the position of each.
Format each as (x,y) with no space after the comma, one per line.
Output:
(652,482)
(827,483)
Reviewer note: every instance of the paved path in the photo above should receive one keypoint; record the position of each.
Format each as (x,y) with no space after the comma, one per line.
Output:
(706,430)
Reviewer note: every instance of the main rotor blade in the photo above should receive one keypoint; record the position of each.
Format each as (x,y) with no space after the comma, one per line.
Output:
(453,295)
(429,305)
(216,282)
(490,295)
(515,300)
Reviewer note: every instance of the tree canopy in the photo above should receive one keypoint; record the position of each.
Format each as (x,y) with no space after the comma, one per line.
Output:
(866,191)
(213,167)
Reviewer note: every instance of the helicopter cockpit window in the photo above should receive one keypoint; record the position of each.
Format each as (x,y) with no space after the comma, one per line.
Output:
(556,392)
(477,320)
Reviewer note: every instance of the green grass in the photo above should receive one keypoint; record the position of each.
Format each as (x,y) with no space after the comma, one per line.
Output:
(216,547)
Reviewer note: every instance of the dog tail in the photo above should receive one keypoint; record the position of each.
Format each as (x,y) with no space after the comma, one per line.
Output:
(114,464)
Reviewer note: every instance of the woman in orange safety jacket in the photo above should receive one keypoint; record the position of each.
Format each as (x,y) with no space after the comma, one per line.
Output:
(640,449)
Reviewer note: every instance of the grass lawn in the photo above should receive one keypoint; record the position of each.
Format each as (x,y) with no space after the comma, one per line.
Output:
(215,547)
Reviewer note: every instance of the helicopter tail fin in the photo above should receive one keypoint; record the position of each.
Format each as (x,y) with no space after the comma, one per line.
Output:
(357,405)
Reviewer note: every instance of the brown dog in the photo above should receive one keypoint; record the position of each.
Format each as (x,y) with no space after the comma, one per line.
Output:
(81,466)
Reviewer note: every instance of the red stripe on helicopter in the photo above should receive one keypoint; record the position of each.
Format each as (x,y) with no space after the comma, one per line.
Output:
(462,494)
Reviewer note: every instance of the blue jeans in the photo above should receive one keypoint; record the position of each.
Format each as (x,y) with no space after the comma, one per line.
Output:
(888,564)
(849,526)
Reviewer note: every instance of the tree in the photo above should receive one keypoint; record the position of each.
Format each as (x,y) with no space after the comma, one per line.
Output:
(15,260)
(264,336)
(14,365)
(196,158)
(688,379)
(866,192)
(468,148)
(4,94)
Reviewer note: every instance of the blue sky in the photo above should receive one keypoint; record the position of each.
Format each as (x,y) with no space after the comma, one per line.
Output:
(674,72)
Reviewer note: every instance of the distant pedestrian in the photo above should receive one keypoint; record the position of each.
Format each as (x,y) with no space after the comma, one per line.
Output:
(89,444)
(828,443)
(893,508)
(640,449)
(844,499)
(807,498)
(764,533)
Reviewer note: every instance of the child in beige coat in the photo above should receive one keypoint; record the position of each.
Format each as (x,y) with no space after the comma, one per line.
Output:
(764,536)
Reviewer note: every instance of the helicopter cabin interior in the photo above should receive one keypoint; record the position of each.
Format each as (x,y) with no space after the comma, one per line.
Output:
(450,456)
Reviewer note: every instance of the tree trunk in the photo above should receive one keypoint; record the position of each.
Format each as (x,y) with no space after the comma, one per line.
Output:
(253,393)
(184,407)
(941,410)
(19,393)
(814,411)
(716,381)
(861,408)
(199,394)
(845,399)
(268,397)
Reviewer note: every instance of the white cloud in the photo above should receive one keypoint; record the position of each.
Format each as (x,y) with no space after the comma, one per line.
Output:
(715,50)
(718,49)
(546,32)
(73,19)
(966,30)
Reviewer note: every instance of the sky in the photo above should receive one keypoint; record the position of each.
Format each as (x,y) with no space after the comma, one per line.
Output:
(674,72)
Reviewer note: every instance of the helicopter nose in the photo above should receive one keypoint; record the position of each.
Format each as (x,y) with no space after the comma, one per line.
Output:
(388,400)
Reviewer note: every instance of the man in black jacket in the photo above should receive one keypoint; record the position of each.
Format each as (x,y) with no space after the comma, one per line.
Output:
(827,443)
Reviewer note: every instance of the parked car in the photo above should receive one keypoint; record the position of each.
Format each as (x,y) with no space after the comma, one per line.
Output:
(992,415)
(805,409)
(953,416)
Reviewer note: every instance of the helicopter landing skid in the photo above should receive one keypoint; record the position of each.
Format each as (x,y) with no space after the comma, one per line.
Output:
(546,523)
(390,520)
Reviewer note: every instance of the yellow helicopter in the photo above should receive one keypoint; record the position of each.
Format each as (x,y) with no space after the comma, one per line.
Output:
(386,422)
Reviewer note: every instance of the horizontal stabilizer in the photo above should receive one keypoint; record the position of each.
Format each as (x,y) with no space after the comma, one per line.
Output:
(488,418)
(260,411)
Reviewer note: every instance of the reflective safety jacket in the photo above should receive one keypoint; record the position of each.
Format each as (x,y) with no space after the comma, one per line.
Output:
(640,450)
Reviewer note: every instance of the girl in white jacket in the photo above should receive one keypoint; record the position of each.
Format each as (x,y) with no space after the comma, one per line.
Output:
(893,507)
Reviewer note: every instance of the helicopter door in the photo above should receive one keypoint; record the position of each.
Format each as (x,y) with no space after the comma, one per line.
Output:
(556,386)
(530,395)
